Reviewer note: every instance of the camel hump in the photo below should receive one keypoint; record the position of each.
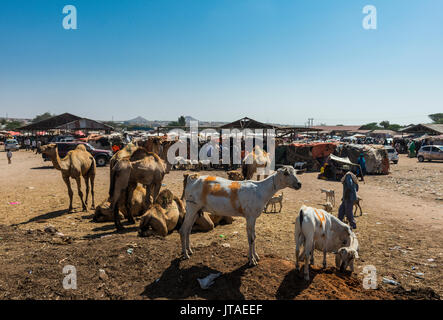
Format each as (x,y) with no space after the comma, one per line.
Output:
(81,147)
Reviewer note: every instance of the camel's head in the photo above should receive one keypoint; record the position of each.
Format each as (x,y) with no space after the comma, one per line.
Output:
(104,213)
(288,177)
(49,149)
(165,198)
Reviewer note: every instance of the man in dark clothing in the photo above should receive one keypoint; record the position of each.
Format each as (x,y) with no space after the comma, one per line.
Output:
(350,188)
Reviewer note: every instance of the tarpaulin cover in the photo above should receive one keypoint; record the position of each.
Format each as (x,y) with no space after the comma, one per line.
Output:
(376,156)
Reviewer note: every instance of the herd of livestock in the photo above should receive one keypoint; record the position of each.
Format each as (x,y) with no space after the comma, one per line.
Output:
(136,176)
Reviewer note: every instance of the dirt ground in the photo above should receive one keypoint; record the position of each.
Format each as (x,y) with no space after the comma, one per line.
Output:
(400,233)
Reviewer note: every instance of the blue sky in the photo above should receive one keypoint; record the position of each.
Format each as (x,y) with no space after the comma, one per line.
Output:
(280,61)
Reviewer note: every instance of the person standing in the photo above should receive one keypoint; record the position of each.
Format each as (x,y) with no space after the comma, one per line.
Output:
(9,156)
(412,149)
(350,188)
(362,162)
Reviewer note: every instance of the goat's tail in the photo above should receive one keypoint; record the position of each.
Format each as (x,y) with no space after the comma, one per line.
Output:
(301,217)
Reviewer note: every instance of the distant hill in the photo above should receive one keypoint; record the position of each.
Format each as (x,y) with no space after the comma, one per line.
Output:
(137,121)
(189,119)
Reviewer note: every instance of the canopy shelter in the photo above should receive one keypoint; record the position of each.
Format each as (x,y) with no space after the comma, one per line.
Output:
(420,129)
(66,121)
(248,123)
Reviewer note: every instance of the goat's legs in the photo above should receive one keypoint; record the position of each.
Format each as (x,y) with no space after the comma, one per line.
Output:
(298,242)
(185,230)
(250,228)
(309,253)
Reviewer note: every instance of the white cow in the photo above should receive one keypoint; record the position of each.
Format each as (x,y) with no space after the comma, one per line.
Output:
(317,229)
(224,197)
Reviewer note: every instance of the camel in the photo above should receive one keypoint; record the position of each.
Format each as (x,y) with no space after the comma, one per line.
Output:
(137,206)
(258,158)
(168,213)
(77,163)
(143,167)
(126,152)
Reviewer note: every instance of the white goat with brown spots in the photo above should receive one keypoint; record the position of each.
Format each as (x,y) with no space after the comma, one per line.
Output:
(224,197)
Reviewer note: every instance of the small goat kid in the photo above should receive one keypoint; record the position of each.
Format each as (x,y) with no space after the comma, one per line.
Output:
(345,256)
(223,197)
(330,195)
(273,202)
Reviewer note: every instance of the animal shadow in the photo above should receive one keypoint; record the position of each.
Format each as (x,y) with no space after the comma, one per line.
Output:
(181,283)
(293,284)
(42,218)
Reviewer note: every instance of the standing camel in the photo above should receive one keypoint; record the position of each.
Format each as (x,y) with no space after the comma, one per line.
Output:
(258,158)
(77,163)
(143,167)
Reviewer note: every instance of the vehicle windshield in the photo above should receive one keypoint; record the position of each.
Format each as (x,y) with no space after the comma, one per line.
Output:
(441,148)
(11,141)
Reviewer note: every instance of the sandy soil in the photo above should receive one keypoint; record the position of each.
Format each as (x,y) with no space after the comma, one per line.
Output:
(400,233)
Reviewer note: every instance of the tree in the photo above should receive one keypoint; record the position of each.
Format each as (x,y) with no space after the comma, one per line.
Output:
(436,117)
(42,116)
(180,123)
(370,126)
(385,124)
(12,125)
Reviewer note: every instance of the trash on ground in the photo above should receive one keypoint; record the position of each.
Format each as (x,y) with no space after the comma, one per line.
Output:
(390,281)
(208,281)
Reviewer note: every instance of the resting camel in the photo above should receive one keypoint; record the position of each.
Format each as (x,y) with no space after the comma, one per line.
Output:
(77,163)
(167,214)
(137,205)
(224,197)
(143,167)
(258,158)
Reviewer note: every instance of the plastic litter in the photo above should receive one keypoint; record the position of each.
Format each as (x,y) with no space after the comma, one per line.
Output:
(390,281)
(130,251)
(14,203)
(222,236)
(208,281)
(226,245)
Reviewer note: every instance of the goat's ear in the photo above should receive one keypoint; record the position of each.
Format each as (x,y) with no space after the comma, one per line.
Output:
(356,255)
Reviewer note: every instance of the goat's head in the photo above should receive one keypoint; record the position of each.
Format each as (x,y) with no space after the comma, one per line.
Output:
(288,177)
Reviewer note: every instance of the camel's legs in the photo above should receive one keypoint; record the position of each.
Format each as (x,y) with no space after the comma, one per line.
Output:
(80,193)
(92,178)
(87,189)
(129,193)
(70,192)
(250,228)
(156,191)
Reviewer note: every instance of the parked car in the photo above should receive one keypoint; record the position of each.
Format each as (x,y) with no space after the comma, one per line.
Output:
(11,144)
(392,154)
(430,153)
(63,139)
(101,157)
